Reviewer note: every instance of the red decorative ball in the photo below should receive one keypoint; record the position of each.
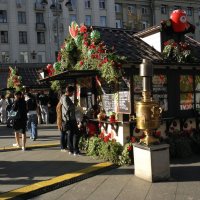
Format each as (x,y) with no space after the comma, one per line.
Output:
(179,20)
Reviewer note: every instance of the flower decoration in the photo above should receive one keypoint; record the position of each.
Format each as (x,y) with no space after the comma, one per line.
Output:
(84,50)
(14,80)
(177,52)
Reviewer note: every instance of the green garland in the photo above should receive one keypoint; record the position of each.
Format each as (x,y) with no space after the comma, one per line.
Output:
(84,50)
(14,80)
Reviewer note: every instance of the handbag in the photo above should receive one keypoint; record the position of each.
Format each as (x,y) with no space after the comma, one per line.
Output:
(14,114)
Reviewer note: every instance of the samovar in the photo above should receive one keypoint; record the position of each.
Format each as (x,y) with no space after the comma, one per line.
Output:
(148,111)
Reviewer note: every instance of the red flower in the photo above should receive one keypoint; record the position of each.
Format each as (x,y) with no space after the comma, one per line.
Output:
(105,60)
(83,29)
(133,140)
(158,133)
(166,43)
(59,56)
(101,135)
(86,43)
(129,148)
(85,36)
(81,63)
(106,139)
(92,46)
(137,130)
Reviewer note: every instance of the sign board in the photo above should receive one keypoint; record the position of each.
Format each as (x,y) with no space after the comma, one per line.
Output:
(108,101)
(124,102)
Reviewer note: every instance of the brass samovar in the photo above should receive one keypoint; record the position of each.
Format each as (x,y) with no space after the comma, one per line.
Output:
(148,111)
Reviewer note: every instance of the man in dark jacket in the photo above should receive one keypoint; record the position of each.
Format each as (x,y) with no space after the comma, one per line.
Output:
(69,125)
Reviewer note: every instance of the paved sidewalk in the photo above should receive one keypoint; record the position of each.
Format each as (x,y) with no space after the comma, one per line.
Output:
(19,169)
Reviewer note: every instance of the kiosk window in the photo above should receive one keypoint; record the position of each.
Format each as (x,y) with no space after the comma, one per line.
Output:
(186,92)
(197,92)
(159,85)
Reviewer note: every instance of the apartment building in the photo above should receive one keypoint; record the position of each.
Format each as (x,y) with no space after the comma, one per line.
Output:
(32,31)
(141,14)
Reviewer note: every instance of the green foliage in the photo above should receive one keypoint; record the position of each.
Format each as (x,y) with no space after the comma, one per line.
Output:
(93,146)
(181,144)
(177,52)
(108,150)
(83,143)
(126,158)
(14,80)
(84,50)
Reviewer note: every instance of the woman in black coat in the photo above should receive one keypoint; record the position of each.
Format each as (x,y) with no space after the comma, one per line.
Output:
(20,120)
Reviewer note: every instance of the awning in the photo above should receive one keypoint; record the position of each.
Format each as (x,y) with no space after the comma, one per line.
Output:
(7,89)
(71,74)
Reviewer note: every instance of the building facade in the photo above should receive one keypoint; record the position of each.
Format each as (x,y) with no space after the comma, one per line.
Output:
(141,14)
(32,31)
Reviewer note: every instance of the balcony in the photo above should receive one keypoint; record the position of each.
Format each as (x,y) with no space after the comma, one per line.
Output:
(56,9)
(39,7)
(40,27)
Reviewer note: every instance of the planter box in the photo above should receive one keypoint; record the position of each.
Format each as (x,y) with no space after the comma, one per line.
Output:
(152,163)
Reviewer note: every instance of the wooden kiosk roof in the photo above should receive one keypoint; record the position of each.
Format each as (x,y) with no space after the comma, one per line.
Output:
(71,74)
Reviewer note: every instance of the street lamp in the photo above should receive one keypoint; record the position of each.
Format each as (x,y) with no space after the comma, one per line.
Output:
(56,8)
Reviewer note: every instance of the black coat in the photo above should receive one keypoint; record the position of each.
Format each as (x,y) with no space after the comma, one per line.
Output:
(20,106)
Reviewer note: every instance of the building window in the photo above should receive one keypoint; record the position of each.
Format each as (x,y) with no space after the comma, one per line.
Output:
(23,57)
(4,36)
(21,17)
(40,38)
(87,3)
(144,10)
(102,4)
(103,21)
(164,9)
(144,25)
(4,57)
(23,37)
(3,16)
(41,57)
(72,18)
(118,23)
(118,8)
(39,18)
(189,11)
(88,20)
(177,7)
(131,9)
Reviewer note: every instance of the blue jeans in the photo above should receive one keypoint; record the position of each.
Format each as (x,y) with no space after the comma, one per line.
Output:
(63,139)
(32,125)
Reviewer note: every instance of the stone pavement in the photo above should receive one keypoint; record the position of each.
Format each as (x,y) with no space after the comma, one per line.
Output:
(19,169)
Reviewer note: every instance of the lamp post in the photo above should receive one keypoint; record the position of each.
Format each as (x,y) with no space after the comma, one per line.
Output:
(56,10)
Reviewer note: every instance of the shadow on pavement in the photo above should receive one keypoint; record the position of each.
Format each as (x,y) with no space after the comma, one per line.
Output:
(185,173)
(28,172)
(192,159)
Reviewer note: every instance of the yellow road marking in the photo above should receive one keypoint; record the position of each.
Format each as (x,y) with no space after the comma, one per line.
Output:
(30,146)
(56,180)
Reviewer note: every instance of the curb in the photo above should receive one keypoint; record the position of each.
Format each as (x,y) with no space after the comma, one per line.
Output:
(42,187)
(35,146)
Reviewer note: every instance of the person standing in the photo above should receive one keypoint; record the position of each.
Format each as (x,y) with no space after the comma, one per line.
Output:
(32,116)
(3,106)
(43,102)
(19,122)
(69,124)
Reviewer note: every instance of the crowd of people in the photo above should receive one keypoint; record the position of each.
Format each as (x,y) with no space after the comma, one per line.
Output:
(25,111)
